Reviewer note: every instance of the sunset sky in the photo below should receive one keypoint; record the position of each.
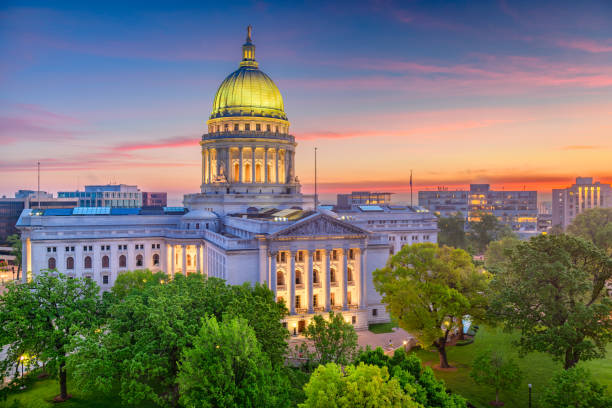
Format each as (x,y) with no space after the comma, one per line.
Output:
(516,94)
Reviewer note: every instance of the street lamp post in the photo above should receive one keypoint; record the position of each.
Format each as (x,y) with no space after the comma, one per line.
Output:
(529,395)
(295,329)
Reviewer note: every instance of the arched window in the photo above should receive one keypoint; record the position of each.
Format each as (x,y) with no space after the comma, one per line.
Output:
(156,259)
(51,263)
(87,262)
(280,278)
(70,263)
(298,277)
(237,172)
(315,276)
(105,262)
(332,275)
(122,261)
(188,260)
(139,260)
(349,274)
(269,174)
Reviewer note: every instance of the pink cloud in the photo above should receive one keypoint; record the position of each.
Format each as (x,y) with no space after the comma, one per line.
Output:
(587,45)
(581,147)
(172,142)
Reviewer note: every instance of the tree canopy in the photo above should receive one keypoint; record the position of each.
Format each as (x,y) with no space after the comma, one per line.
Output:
(492,369)
(594,225)
(452,231)
(553,291)
(334,340)
(138,349)
(41,318)
(575,388)
(429,289)
(359,386)
(225,367)
(15,242)
(496,255)
(485,229)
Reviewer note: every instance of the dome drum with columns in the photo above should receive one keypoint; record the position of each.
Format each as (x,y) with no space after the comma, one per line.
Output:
(248,150)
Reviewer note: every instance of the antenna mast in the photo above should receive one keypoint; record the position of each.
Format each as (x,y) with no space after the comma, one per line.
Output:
(410,188)
(316,198)
(38,185)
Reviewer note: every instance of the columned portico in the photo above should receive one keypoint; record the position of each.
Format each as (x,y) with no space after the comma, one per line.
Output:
(327,279)
(309,288)
(344,278)
(291,283)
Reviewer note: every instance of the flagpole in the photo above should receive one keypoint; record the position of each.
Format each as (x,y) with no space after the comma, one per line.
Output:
(411,188)
(315,170)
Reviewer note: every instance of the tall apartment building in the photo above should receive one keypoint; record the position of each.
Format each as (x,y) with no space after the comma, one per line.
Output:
(158,199)
(517,209)
(110,195)
(568,202)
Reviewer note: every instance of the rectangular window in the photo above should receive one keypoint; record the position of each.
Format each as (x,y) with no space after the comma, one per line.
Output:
(315,299)
(48,249)
(332,299)
(105,279)
(67,249)
(354,319)
(297,301)
(247,126)
(258,127)
(374,312)
(267,128)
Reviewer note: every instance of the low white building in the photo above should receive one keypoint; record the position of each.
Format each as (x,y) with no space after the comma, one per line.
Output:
(249,223)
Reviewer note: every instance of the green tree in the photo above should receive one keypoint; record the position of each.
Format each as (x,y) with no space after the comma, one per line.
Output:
(575,388)
(486,228)
(15,242)
(594,225)
(264,315)
(137,351)
(496,255)
(360,386)
(452,231)
(334,340)
(225,367)
(417,381)
(135,280)
(553,291)
(41,318)
(429,290)
(491,369)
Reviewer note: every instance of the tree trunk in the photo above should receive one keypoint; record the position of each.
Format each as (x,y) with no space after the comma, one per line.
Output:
(571,359)
(497,398)
(443,358)
(461,335)
(62,381)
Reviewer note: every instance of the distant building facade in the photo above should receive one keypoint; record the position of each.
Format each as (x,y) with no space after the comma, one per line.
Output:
(445,202)
(567,203)
(110,195)
(157,199)
(11,208)
(517,209)
(362,198)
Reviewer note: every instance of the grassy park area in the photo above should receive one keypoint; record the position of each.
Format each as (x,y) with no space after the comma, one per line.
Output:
(538,368)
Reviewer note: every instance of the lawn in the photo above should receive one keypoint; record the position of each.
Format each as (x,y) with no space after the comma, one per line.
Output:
(537,369)
(379,328)
(41,394)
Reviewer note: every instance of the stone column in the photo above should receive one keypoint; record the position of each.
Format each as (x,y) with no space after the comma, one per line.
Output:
(344,278)
(291,283)
(272,257)
(276,165)
(173,255)
(198,264)
(253,165)
(263,261)
(309,288)
(208,160)
(240,160)
(362,278)
(25,256)
(327,280)
(203,166)
(184,251)
(265,169)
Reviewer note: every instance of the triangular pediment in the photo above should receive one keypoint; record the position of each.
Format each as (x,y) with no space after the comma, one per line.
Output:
(319,225)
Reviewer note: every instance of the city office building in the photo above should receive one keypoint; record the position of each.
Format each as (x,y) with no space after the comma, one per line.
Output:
(110,195)
(362,198)
(568,202)
(150,199)
(517,209)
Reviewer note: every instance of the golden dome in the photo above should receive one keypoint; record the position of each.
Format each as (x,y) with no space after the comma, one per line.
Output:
(248,91)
